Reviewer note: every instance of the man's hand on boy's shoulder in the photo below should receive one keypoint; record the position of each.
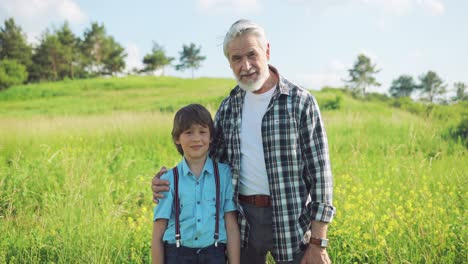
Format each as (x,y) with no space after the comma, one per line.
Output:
(158,186)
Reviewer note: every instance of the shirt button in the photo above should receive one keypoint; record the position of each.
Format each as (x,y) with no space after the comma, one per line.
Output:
(198,220)
(198,183)
(196,238)
(198,202)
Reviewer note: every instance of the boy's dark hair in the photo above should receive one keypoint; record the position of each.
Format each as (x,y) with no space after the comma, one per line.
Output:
(186,117)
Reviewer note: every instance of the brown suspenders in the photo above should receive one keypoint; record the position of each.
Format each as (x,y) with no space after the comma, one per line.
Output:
(177,204)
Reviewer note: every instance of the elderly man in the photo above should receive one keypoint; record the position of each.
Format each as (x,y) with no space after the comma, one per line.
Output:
(271,133)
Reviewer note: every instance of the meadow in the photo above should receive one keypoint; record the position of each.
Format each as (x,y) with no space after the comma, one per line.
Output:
(77,158)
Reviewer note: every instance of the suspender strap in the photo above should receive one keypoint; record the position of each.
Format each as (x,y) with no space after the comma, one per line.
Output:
(176,205)
(216,234)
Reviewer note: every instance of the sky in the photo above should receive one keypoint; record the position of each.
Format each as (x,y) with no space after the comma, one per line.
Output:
(313,42)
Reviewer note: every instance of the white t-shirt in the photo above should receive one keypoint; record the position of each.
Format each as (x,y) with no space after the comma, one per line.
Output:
(253,174)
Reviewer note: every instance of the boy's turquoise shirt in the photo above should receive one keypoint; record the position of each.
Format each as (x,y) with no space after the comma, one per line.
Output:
(197,205)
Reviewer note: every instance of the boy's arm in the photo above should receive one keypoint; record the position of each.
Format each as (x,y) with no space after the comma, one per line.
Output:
(157,247)
(233,237)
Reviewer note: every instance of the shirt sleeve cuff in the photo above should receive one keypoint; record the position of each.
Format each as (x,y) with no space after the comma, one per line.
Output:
(322,212)
(229,205)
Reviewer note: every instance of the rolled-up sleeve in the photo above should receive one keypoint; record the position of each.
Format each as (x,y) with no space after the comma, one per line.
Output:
(229,204)
(318,169)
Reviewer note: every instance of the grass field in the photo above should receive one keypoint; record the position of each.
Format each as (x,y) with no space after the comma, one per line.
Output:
(77,157)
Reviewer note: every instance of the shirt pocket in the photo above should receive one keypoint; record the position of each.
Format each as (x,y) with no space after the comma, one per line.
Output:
(209,199)
(286,134)
(187,210)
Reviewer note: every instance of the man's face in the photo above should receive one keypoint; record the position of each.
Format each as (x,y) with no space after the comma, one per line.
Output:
(249,62)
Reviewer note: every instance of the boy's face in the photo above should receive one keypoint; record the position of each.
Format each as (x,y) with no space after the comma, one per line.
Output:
(195,142)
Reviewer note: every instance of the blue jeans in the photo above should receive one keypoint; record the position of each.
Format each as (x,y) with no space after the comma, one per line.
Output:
(186,255)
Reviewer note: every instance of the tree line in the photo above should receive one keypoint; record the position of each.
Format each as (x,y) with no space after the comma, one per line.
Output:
(60,54)
(430,88)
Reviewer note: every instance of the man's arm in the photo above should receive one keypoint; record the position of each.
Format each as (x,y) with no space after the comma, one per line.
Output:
(315,254)
(158,186)
(315,150)
(157,246)
(233,237)
(314,147)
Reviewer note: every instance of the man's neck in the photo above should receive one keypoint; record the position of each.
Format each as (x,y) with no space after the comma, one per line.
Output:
(196,165)
(270,82)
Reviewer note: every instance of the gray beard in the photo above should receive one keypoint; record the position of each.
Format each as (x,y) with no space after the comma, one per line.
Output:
(250,87)
(255,86)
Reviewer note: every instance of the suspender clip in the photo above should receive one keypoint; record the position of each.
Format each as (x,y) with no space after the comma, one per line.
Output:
(216,236)
(177,241)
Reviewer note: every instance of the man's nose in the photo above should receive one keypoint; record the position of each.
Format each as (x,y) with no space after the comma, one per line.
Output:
(246,64)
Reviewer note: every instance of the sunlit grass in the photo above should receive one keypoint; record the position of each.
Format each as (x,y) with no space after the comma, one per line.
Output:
(75,186)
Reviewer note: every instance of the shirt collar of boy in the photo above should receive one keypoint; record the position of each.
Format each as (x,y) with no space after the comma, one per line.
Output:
(208,167)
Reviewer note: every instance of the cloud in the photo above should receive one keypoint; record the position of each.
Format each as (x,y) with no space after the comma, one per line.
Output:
(435,7)
(34,16)
(416,55)
(239,6)
(134,58)
(393,7)
(332,75)
(396,7)
(405,7)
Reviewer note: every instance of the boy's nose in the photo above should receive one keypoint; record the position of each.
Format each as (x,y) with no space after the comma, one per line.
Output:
(196,137)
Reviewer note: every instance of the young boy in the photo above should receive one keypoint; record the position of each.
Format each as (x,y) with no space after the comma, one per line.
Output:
(205,195)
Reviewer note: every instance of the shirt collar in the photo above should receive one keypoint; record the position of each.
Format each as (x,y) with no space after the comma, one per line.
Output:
(282,83)
(208,167)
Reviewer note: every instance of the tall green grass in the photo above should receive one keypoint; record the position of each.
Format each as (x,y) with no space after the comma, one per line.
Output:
(75,182)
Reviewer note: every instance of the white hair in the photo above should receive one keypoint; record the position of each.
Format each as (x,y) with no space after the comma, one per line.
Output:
(242,27)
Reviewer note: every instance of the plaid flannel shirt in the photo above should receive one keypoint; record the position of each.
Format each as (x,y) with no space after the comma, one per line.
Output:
(296,157)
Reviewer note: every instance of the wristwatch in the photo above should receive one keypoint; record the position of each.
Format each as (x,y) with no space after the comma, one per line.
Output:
(322,242)
(307,239)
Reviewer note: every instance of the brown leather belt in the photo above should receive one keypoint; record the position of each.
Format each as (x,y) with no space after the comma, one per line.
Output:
(256,200)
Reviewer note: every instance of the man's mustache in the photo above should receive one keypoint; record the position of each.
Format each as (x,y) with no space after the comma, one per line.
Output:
(251,71)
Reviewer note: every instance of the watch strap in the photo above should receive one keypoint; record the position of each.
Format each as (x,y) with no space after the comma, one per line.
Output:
(322,242)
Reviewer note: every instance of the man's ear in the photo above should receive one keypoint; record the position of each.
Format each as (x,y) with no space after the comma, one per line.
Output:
(268,51)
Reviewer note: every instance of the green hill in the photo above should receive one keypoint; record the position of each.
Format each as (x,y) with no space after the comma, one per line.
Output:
(76,159)
(106,95)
